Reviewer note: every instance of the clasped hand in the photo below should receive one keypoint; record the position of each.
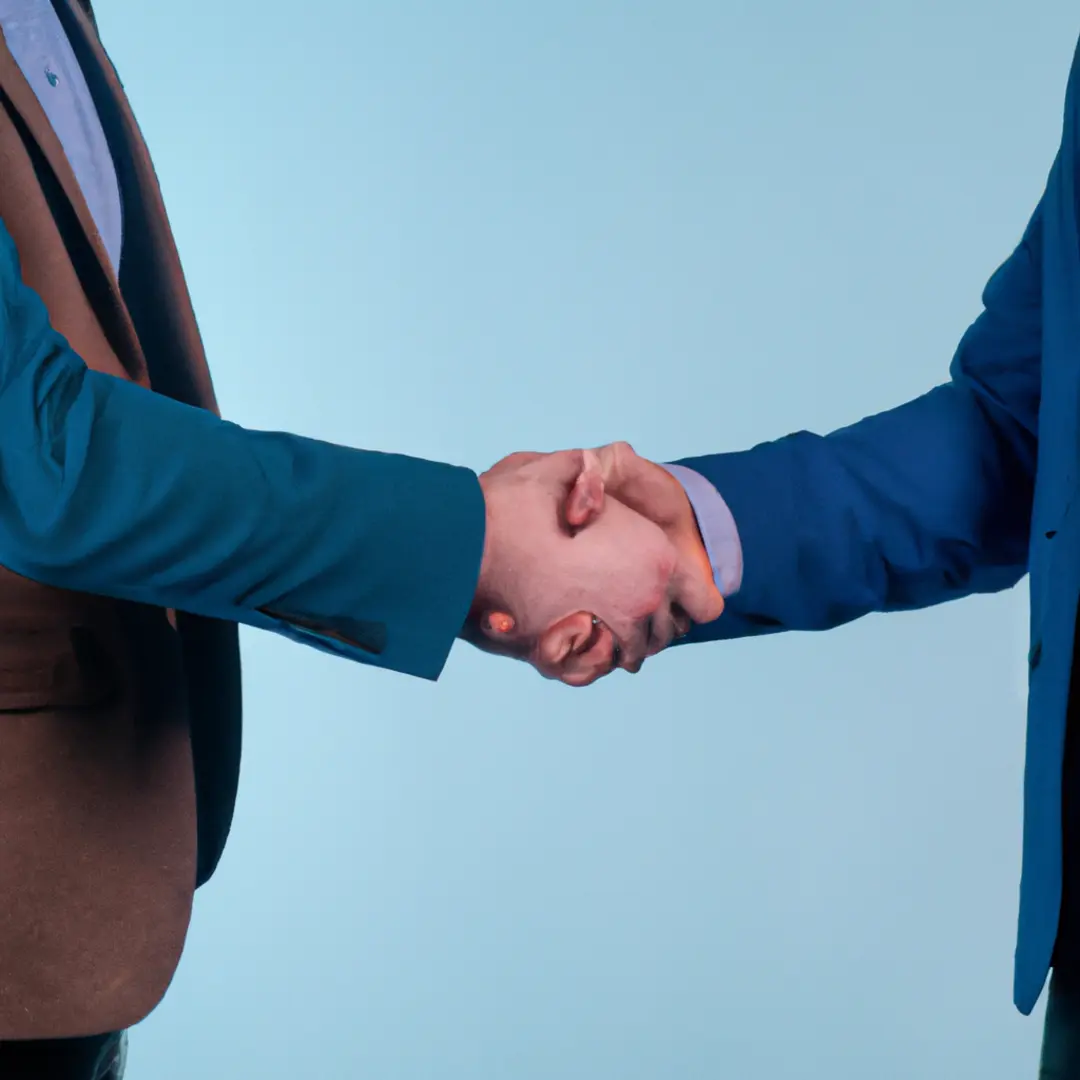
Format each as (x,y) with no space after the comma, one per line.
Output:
(592,561)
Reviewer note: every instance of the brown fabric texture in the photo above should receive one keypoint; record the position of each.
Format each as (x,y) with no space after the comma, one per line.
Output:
(97,789)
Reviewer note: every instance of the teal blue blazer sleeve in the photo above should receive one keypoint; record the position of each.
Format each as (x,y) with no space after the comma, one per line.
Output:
(925,503)
(108,488)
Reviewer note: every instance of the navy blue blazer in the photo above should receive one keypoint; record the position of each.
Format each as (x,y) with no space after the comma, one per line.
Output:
(961,491)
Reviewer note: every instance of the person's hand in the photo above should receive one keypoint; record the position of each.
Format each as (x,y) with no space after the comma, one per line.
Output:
(575,580)
(650,490)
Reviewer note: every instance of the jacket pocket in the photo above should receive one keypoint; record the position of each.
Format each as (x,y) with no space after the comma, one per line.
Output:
(53,667)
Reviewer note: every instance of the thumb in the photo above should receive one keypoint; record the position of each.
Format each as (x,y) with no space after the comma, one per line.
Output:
(699,597)
(643,485)
(585,500)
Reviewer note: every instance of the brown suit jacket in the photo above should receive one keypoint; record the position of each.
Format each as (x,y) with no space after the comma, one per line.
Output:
(111,714)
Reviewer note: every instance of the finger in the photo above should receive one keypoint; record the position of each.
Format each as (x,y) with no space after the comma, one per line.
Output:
(586,498)
(614,459)
(699,598)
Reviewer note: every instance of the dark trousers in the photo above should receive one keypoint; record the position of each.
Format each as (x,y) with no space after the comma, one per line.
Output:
(100,1057)
(1061,1032)
(1061,1035)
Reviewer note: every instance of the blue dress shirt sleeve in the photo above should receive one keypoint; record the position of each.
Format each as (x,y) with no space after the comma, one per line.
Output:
(717,527)
(108,488)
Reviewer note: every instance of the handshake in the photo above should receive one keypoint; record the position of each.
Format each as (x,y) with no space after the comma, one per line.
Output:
(592,561)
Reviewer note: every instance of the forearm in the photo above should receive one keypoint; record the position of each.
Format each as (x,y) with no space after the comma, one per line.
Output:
(922,504)
(836,527)
(108,488)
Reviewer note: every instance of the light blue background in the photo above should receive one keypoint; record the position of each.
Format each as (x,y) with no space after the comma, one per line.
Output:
(461,228)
